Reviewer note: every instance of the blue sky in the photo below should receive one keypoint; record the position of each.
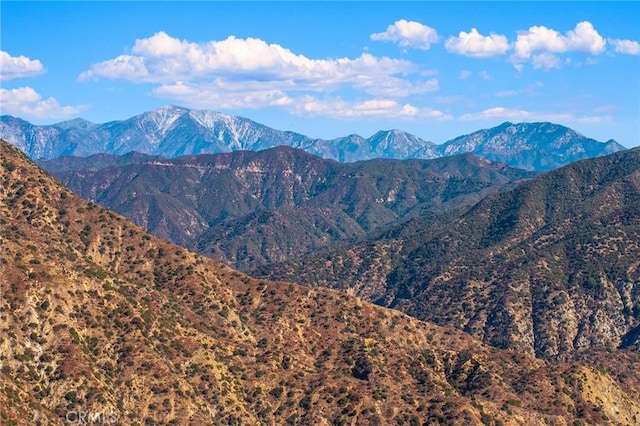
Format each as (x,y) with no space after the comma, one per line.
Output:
(328,69)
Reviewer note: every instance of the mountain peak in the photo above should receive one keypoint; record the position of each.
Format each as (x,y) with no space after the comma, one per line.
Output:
(391,132)
(76,123)
(164,116)
(533,146)
(170,108)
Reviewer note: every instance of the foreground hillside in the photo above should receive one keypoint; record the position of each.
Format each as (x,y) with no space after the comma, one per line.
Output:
(99,317)
(551,267)
(251,208)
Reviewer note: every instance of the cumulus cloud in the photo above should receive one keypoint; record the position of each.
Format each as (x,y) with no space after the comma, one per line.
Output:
(409,34)
(162,59)
(26,102)
(13,67)
(583,38)
(476,45)
(250,73)
(371,108)
(628,47)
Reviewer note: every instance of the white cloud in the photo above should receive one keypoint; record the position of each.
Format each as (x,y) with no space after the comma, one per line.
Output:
(12,67)
(246,94)
(583,38)
(239,96)
(498,113)
(339,108)
(476,45)
(219,94)
(409,34)
(628,47)
(164,59)
(484,75)
(124,67)
(26,102)
(250,73)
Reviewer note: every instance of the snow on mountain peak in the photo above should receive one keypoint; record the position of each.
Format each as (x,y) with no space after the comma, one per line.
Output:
(208,119)
(164,117)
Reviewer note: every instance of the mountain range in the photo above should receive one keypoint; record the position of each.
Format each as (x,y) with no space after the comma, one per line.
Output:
(173,131)
(250,208)
(550,267)
(103,320)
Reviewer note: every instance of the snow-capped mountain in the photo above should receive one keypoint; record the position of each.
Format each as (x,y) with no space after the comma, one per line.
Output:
(172,131)
(532,146)
(169,131)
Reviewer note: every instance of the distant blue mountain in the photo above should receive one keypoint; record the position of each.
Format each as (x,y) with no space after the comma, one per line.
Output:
(173,131)
(531,146)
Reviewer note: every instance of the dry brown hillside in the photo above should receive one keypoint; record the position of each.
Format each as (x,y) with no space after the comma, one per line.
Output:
(100,319)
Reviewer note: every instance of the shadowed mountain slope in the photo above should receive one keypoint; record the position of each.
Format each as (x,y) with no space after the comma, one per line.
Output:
(250,208)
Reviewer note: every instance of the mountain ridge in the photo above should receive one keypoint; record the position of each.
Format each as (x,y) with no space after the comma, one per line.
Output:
(247,208)
(174,131)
